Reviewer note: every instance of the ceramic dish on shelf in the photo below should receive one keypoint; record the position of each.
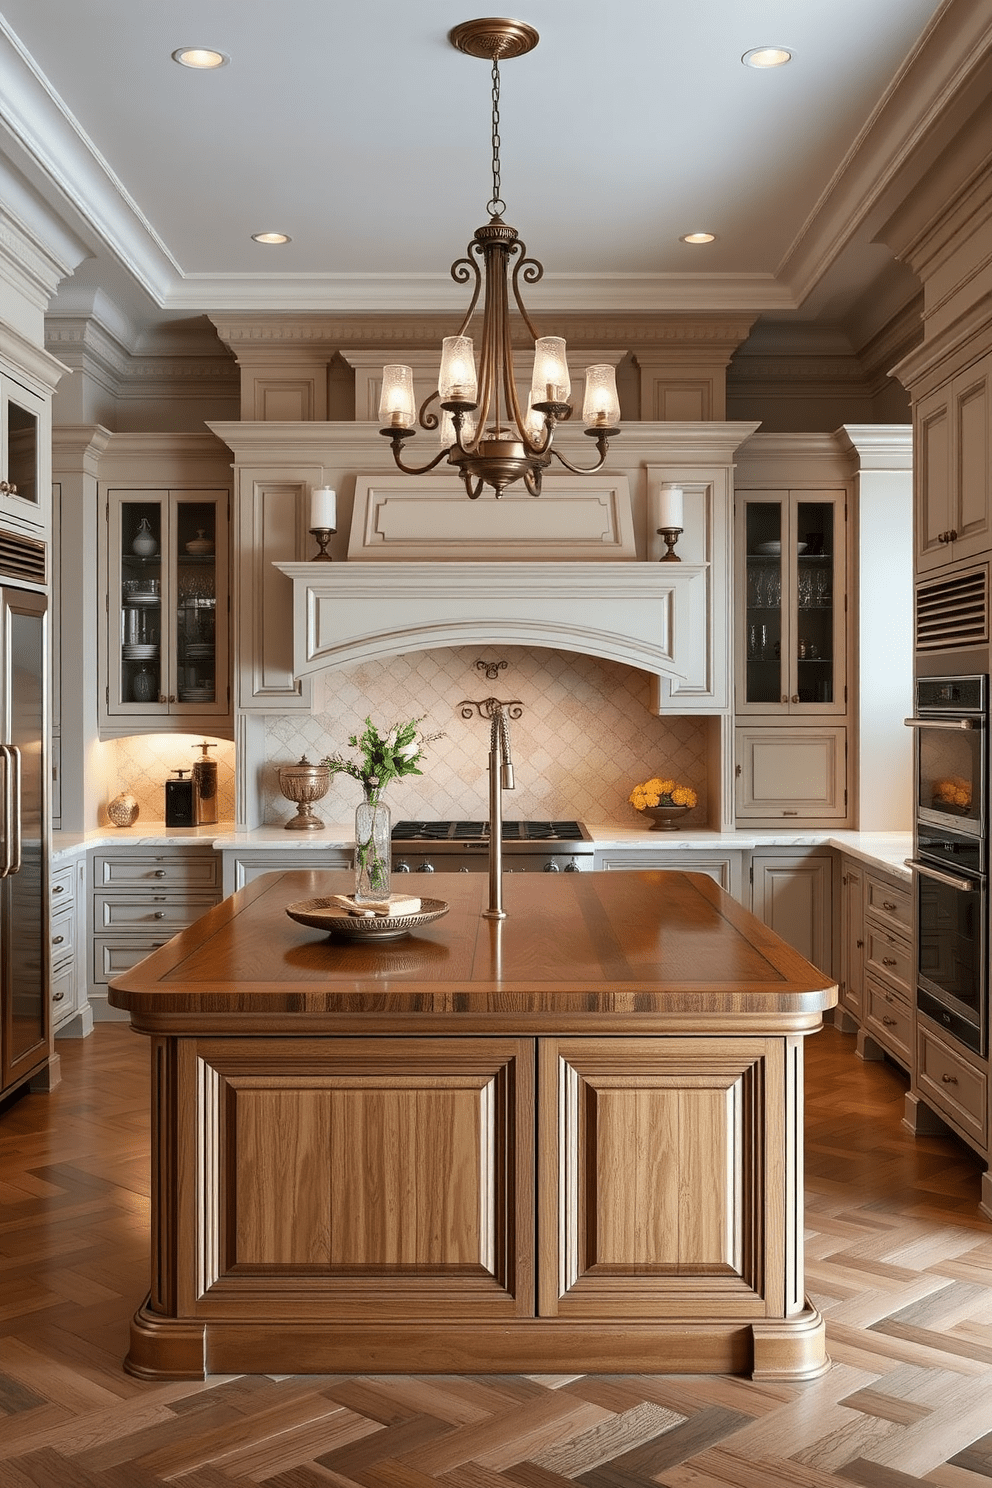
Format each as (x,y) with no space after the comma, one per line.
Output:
(139,597)
(196,694)
(200,651)
(323,914)
(769,549)
(139,652)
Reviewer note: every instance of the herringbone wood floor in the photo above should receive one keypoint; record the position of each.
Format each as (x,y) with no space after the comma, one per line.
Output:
(898,1258)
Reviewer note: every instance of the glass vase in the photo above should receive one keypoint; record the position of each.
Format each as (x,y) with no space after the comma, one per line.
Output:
(373,850)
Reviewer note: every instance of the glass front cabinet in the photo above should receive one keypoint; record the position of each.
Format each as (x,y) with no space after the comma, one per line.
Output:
(791,634)
(167,652)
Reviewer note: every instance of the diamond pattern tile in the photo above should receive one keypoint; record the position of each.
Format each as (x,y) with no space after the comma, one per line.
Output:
(584,740)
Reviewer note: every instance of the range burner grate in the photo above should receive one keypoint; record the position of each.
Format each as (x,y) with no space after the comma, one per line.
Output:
(475,831)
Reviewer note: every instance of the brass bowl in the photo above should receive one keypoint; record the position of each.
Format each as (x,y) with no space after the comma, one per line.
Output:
(304,783)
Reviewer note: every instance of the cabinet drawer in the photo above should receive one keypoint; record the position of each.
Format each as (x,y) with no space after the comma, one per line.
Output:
(112,955)
(954,1087)
(62,887)
(171,870)
(63,986)
(63,935)
(890,957)
(145,911)
(889,905)
(887,1016)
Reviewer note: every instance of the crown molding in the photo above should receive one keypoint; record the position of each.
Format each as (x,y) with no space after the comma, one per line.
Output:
(51,143)
(920,100)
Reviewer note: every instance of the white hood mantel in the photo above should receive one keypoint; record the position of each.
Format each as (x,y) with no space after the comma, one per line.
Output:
(639,614)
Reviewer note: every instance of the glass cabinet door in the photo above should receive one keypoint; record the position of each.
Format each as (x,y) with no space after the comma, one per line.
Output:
(195,600)
(763,614)
(167,648)
(792,649)
(20,452)
(141,671)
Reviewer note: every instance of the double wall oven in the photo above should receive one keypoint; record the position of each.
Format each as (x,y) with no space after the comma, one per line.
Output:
(951,855)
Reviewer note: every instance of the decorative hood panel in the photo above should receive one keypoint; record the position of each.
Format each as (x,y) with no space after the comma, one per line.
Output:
(635,613)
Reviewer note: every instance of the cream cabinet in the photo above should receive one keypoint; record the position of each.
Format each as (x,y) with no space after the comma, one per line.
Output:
(140,898)
(852,944)
(243,865)
(723,866)
(792,893)
(791,774)
(166,651)
(25,469)
(953,426)
(889,971)
(72,1016)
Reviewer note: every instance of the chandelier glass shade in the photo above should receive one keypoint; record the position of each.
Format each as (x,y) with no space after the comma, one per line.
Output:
(483,428)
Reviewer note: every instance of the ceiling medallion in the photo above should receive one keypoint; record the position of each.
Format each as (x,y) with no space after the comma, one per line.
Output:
(483,430)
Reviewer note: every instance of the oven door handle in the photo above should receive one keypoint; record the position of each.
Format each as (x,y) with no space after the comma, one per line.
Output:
(952,882)
(944,723)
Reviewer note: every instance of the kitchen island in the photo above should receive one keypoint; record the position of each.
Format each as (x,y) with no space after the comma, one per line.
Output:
(570,1140)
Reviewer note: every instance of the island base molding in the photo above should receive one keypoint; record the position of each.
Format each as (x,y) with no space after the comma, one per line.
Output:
(773,1349)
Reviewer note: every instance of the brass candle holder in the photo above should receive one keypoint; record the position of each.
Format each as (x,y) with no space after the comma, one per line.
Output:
(323,536)
(671,536)
(304,783)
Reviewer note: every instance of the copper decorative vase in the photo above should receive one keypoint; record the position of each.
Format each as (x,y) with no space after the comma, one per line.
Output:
(304,783)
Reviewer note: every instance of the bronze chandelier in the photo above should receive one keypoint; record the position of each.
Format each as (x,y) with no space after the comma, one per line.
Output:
(483,429)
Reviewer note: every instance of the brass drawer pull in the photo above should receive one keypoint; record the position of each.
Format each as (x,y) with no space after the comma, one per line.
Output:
(159,873)
(57,939)
(58,888)
(889,1022)
(887,904)
(58,997)
(159,914)
(949,1079)
(889,961)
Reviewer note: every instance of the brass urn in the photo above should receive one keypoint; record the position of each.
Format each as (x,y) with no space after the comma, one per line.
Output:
(304,783)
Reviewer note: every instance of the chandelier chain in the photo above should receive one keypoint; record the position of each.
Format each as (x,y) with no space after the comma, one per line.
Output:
(497,205)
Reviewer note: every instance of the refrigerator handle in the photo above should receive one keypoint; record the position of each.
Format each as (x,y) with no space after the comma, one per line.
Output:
(15,791)
(6,804)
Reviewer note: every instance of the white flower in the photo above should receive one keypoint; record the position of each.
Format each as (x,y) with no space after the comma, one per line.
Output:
(409,751)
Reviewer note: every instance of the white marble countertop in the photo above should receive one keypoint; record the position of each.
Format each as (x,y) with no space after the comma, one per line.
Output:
(886,850)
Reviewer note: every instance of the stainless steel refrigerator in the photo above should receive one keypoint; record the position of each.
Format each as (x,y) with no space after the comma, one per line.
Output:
(25,1026)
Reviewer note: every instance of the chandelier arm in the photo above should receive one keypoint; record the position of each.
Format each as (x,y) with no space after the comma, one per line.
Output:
(533,272)
(410,469)
(532,480)
(462,271)
(428,420)
(602,444)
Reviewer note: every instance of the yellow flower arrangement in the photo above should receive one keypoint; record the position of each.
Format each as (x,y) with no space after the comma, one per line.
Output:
(658,792)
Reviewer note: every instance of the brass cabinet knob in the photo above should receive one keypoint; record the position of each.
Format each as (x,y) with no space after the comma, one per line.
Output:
(795,697)
(159,873)
(57,939)
(159,914)
(888,960)
(889,1022)
(949,1079)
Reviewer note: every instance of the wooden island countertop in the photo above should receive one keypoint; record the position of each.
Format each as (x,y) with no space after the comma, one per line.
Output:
(570,1139)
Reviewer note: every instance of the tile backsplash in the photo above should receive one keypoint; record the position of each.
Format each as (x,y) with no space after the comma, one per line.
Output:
(585,736)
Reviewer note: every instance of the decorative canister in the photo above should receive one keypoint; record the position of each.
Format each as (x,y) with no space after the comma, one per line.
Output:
(123,810)
(304,783)
(200,543)
(205,785)
(180,804)
(145,543)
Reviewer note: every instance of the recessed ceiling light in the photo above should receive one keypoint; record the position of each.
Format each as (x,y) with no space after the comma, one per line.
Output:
(202,58)
(767,56)
(698,237)
(271,237)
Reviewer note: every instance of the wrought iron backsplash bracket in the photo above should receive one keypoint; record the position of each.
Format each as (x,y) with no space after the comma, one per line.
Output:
(487,707)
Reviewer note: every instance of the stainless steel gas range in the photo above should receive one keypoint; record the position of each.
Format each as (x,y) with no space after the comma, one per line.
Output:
(463,847)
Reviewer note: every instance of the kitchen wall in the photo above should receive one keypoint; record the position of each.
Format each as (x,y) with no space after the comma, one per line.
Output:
(585,737)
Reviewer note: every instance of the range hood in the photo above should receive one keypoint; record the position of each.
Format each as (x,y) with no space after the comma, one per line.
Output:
(640,614)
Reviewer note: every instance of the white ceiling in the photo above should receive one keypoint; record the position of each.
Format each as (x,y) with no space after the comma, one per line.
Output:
(360,131)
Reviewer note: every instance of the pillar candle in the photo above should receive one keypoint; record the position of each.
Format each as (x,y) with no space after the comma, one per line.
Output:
(670,506)
(323,507)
